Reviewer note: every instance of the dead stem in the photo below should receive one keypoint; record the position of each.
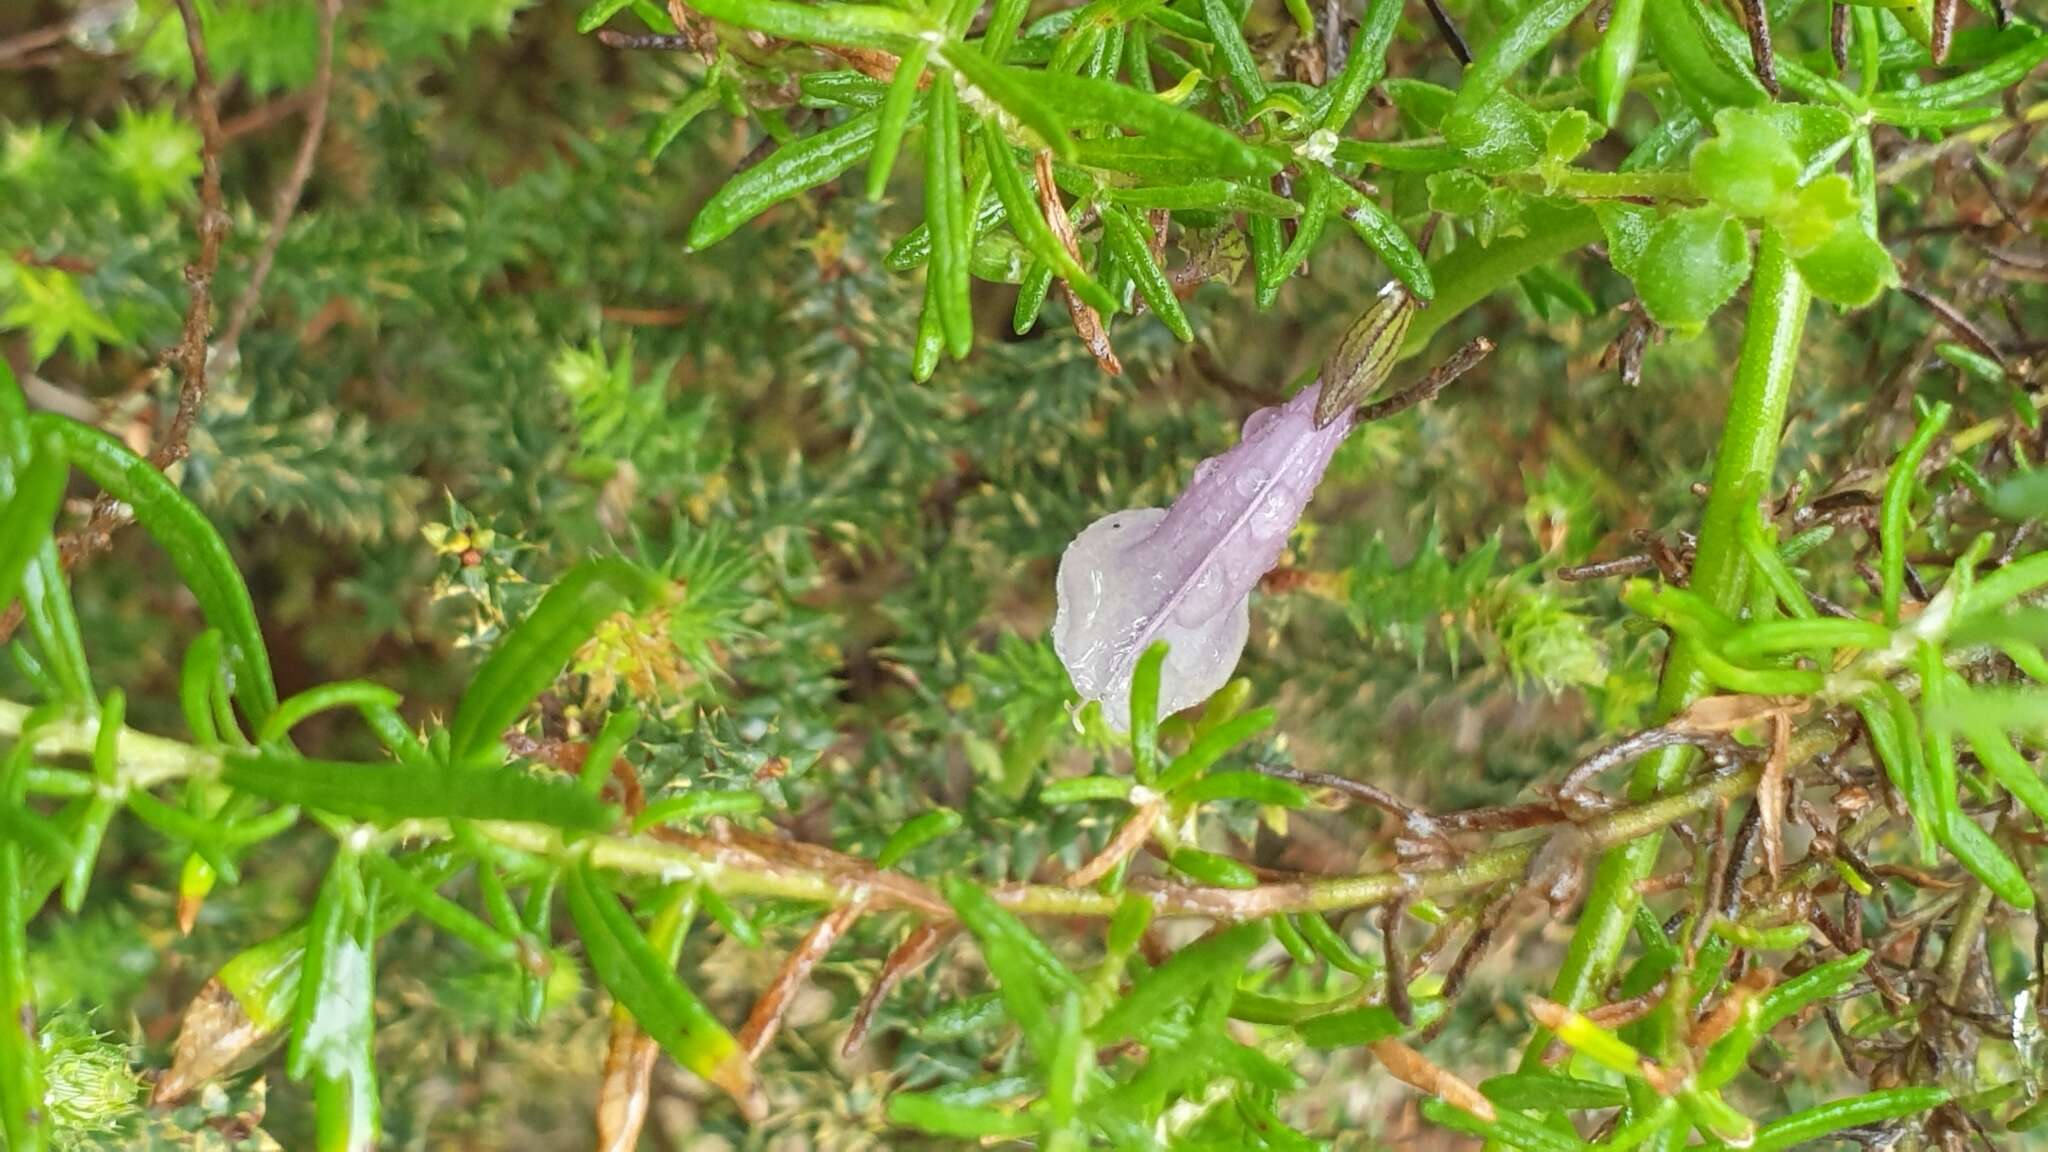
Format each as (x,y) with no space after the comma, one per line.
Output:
(913,953)
(1420,1073)
(1087,322)
(287,201)
(766,1018)
(1128,839)
(1425,389)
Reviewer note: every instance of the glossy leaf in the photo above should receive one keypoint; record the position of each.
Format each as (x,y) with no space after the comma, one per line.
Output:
(1692,263)
(1747,166)
(794,169)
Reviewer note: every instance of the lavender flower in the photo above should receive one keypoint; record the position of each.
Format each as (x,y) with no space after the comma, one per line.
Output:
(1185,574)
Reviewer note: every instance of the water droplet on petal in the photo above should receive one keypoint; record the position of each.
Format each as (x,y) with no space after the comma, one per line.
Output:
(1249,481)
(1201,601)
(1259,420)
(1274,516)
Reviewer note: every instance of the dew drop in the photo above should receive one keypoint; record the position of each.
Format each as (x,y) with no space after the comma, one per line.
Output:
(1273,515)
(1202,600)
(1249,481)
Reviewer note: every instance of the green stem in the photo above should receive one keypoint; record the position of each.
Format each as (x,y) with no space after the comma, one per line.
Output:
(1472,273)
(1749,449)
(743,870)
(1588,184)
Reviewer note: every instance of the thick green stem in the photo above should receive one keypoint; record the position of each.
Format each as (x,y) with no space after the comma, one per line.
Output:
(1749,450)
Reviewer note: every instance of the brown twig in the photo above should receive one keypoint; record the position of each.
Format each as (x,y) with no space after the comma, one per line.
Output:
(294,186)
(1414,819)
(915,952)
(29,43)
(1634,565)
(1447,29)
(766,1018)
(1738,849)
(1128,839)
(1956,322)
(1719,745)
(190,354)
(213,225)
(1422,391)
(1942,30)
(264,115)
(1397,965)
(1087,322)
(646,41)
(627,1087)
(1758,22)
(1770,794)
(1424,1075)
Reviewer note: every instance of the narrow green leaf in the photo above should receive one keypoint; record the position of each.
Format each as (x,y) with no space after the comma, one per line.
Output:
(1011,90)
(532,655)
(1357,1027)
(23,1117)
(1366,64)
(1896,508)
(1551,1092)
(1225,29)
(321,1021)
(895,117)
(794,168)
(941,1117)
(442,912)
(915,833)
(849,25)
(1620,46)
(947,284)
(1217,959)
(389,793)
(1127,245)
(1029,223)
(1145,711)
(26,519)
(1023,967)
(1206,145)
(691,807)
(1808,1125)
(1982,84)
(1528,33)
(358,694)
(1213,869)
(643,982)
(1387,240)
(194,546)
(1213,745)
(1254,786)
